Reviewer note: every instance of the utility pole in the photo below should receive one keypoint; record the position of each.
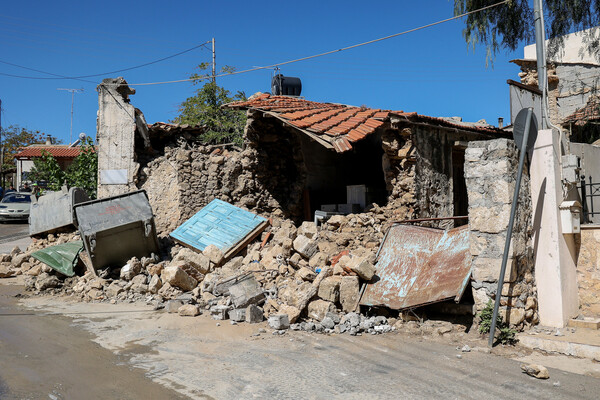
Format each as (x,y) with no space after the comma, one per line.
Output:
(540,48)
(73,91)
(214,65)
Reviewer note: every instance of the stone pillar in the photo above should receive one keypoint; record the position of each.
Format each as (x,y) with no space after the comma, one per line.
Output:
(555,254)
(490,175)
(116,138)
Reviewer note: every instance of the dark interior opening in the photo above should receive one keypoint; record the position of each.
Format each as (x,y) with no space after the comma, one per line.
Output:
(329,173)
(459,186)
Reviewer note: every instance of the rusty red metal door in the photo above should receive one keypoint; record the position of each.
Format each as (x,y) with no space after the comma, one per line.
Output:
(418,266)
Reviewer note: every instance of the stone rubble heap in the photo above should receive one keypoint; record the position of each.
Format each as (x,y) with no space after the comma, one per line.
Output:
(306,278)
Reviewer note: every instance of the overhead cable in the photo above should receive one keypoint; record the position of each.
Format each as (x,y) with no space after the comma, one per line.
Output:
(57,76)
(325,53)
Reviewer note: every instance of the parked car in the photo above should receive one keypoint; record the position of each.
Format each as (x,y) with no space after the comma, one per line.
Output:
(15,206)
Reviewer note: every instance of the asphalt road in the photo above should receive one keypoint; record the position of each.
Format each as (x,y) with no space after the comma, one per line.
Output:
(207,359)
(13,234)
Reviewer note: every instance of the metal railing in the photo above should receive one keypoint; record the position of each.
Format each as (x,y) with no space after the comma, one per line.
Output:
(589,190)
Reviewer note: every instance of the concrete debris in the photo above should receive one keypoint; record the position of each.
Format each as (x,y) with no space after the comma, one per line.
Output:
(189,310)
(535,370)
(177,277)
(307,278)
(254,314)
(279,321)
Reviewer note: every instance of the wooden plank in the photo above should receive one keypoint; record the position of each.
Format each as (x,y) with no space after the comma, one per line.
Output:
(247,240)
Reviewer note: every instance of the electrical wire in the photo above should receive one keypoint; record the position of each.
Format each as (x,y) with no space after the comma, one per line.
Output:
(250,69)
(325,53)
(81,78)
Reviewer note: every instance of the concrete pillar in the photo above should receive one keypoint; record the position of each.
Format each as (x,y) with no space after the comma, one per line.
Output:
(116,138)
(555,254)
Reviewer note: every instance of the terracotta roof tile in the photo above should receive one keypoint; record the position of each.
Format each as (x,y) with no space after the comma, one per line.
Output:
(339,124)
(56,151)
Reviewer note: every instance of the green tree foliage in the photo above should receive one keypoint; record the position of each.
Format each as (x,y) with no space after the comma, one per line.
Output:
(13,138)
(46,168)
(83,172)
(223,125)
(509,25)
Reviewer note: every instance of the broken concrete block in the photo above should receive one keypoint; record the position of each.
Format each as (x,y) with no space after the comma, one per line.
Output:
(535,370)
(329,289)
(292,312)
(214,254)
(189,310)
(298,295)
(19,259)
(155,284)
(155,269)
(195,260)
(318,260)
(254,314)
(279,321)
(328,323)
(318,309)
(338,270)
(237,315)
(219,312)
(177,277)
(363,268)
(349,293)
(247,291)
(308,229)
(305,246)
(7,271)
(172,306)
(306,274)
(114,289)
(336,220)
(131,269)
(294,260)
(46,281)
(234,264)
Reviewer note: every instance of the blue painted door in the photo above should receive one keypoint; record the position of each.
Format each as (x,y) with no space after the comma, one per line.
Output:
(220,224)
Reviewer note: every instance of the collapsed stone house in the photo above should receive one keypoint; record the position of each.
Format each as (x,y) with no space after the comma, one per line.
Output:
(299,155)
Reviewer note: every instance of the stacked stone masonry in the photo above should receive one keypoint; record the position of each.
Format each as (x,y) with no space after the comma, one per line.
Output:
(490,172)
(588,272)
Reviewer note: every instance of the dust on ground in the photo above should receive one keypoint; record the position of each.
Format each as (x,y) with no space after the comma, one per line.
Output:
(43,357)
(203,358)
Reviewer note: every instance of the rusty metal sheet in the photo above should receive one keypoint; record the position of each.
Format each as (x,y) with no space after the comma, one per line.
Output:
(418,266)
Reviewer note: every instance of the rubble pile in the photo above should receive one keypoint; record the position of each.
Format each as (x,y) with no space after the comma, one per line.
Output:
(306,278)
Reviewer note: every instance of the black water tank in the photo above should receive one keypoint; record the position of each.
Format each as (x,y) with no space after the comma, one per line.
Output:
(286,85)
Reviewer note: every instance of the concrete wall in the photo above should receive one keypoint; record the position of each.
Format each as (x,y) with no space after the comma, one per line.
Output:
(575,85)
(555,254)
(573,50)
(490,172)
(116,137)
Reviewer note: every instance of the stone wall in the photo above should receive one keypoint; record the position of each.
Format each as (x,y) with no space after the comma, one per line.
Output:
(490,172)
(588,272)
(266,178)
(569,86)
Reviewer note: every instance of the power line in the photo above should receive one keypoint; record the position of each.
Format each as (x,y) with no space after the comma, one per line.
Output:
(57,76)
(327,52)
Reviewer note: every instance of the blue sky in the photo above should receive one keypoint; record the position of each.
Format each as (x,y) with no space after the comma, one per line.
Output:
(431,71)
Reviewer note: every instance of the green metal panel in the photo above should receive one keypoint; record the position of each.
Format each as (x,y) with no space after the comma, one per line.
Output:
(62,257)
